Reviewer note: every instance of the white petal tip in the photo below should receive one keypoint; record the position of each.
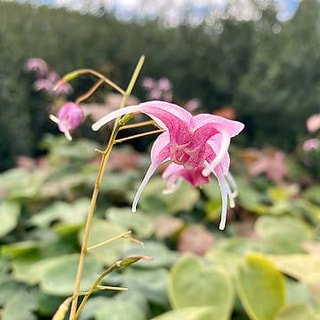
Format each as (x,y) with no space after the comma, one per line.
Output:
(68,135)
(222,227)
(53,118)
(96,126)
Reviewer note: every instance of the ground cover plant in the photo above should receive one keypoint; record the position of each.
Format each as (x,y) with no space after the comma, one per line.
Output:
(264,265)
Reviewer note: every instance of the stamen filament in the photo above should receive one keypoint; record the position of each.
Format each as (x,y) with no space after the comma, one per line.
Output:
(139,124)
(138,135)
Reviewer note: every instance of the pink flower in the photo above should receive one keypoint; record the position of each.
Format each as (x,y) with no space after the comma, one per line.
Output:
(37,65)
(311,144)
(43,84)
(313,123)
(198,143)
(164,84)
(64,88)
(148,83)
(69,117)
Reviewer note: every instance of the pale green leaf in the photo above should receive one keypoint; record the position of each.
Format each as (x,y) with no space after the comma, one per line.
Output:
(192,284)
(9,214)
(260,287)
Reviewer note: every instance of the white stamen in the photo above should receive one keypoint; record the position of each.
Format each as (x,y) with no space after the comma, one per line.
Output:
(225,141)
(145,180)
(224,198)
(68,135)
(113,115)
(53,118)
(232,184)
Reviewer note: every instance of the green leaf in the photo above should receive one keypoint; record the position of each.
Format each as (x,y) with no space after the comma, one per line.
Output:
(69,213)
(59,276)
(139,222)
(296,312)
(192,284)
(194,313)
(20,307)
(117,309)
(9,214)
(260,287)
(155,202)
(21,184)
(162,256)
(283,234)
(150,283)
(20,249)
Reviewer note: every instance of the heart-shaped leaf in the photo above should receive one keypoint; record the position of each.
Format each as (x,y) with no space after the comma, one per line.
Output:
(192,284)
(260,287)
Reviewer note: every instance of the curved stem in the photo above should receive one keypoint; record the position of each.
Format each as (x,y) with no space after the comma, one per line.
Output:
(104,160)
(74,74)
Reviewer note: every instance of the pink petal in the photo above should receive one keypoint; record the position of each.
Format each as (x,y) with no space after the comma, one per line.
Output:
(204,121)
(159,153)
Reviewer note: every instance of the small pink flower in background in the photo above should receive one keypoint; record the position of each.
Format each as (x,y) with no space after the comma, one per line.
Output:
(64,89)
(164,84)
(158,89)
(311,144)
(42,84)
(269,162)
(69,118)
(313,123)
(192,105)
(37,65)
(46,79)
(148,83)
(199,143)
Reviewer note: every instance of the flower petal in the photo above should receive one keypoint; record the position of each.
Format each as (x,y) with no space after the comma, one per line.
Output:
(159,153)
(217,123)
(113,115)
(220,155)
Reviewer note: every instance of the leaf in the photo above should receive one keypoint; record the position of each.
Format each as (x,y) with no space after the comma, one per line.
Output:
(192,284)
(162,256)
(303,267)
(154,201)
(20,184)
(20,307)
(283,234)
(69,213)
(59,275)
(19,249)
(139,222)
(194,313)
(260,287)
(117,309)
(296,312)
(9,214)
(152,284)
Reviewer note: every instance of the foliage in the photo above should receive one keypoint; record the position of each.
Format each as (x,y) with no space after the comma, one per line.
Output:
(264,265)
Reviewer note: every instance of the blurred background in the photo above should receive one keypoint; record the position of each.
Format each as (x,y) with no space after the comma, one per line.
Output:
(251,60)
(259,58)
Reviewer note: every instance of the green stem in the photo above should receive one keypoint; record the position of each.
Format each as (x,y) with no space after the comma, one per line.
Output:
(104,160)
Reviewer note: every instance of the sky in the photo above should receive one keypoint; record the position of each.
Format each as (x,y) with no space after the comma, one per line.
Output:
(174,11)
